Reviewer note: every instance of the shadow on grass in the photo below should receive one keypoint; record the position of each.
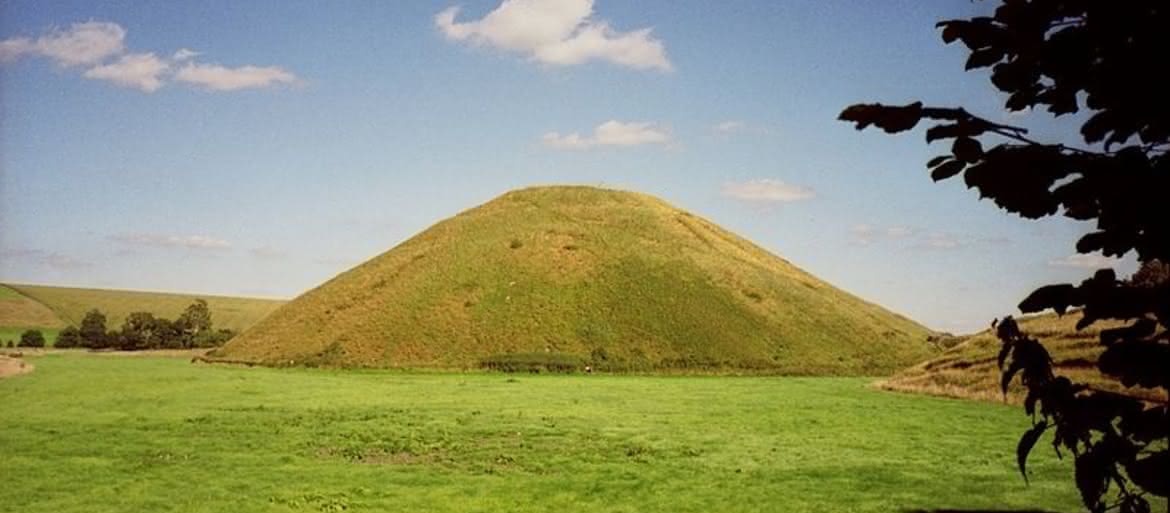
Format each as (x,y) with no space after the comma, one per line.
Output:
(978,511)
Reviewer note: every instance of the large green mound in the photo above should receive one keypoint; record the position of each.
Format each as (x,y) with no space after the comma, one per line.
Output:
(619,280)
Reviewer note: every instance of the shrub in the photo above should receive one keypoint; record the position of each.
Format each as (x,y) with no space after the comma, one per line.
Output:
(32,338)
(68,338)
(533,362)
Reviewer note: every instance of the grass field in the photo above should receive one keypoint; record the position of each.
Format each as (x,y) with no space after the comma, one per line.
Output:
(107,433)
(69,305)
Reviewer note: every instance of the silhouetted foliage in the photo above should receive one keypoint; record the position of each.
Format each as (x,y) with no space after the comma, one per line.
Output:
(68,338)
(32,338)
(1152,273)
(1065,56)
(93,330)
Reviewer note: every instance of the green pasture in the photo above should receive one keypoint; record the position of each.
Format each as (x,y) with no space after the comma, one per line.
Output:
(88,432)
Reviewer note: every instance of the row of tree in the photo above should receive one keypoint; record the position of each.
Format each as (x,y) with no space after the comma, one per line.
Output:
(142,330)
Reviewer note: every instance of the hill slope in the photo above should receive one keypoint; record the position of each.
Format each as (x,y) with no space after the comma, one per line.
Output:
(68,306)
(969,369)
(19,313)
(617,278)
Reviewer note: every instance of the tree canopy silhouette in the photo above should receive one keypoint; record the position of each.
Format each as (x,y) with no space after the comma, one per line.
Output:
(1065,56)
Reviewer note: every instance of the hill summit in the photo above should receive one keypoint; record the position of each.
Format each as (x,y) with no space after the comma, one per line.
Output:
(618,280)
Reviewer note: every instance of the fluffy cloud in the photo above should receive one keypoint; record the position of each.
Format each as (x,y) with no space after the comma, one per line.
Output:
(99,48)
(196,242)
(143,71)
(81,44)
(767,190)
(184,54)
(1085,261)
(219,78)
(610,133)
(556,32)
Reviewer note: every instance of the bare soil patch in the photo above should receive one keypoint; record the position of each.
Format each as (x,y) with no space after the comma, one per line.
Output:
(10,366)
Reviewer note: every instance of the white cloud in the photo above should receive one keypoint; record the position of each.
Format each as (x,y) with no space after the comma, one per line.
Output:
(184,54)
(219,78)
(729,127)
(81,44)
(197,242)
(141,71)
(15,48)
(1085,261)
(556,32)
(99,47)
(767,190)
(610,133)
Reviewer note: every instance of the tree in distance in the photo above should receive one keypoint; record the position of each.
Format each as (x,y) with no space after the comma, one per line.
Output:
(195,320)
(93,330)
(32,338)
(1065,56)
(68,338)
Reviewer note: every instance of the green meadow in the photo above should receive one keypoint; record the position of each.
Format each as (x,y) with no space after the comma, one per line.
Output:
(88,432)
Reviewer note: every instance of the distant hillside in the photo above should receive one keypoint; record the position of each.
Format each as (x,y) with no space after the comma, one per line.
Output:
(969,369)
(38,306)
(579,274)
(19,313)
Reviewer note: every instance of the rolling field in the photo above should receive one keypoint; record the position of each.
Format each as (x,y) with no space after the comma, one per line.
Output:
(107,433)
(970,369)
(51,308)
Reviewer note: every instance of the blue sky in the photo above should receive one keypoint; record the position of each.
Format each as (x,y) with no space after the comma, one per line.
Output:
(259,148)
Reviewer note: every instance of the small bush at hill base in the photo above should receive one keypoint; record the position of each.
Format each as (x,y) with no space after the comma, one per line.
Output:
(32,338)
(533,362)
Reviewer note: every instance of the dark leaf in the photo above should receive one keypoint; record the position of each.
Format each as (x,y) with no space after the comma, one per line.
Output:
(947,170)
(1092,477)
(937,160)
(967,149)
(892,119)
(1025,446)
(950,30)
(984,57)
(1152,473)
(1004,350)
(1056,297)
(1006,379)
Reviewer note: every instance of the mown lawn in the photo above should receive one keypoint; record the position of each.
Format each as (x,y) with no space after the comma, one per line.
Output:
(107,433)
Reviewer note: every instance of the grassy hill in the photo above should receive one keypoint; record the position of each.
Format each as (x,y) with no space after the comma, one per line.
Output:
(576,274)
(19,313)
(969,369)
(52,308)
